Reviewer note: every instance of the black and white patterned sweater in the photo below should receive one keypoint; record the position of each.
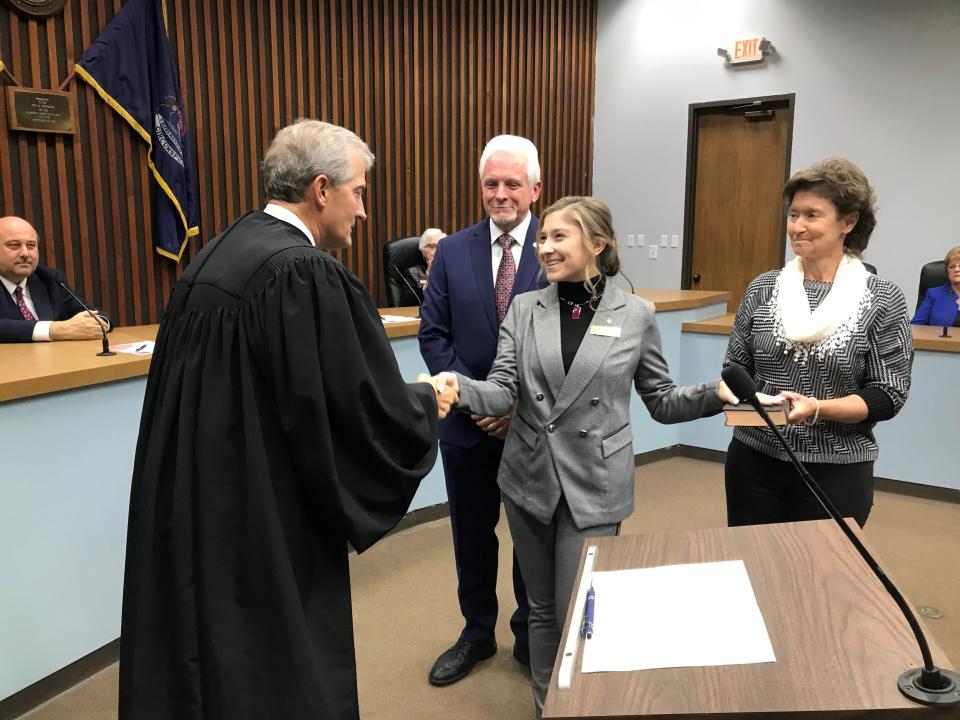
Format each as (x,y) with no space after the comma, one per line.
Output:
(869,355)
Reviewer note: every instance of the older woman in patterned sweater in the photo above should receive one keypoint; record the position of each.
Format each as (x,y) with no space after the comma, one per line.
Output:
(833,339)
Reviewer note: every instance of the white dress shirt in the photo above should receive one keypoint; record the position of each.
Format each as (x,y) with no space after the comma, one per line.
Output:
(41,331)
(519,235)
(281,213)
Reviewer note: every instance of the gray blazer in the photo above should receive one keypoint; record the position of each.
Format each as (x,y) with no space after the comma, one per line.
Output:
(571,432)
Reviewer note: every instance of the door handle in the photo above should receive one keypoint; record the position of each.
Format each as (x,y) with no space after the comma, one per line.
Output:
(696,277)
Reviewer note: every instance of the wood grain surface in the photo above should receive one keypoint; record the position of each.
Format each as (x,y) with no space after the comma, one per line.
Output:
(839,639)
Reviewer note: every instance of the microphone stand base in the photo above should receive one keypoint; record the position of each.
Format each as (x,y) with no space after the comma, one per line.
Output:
(912,686)
(106,353)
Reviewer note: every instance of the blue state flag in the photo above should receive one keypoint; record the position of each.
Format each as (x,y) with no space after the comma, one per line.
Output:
(131,67)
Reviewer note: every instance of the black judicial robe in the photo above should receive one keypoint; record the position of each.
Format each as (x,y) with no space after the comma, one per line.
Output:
(276,428)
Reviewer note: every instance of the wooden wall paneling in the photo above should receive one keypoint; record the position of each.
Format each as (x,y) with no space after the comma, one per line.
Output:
(286,68)
(6,167)
(425,82)
(360,116)
(111,281)
(60,160)
(23,147)
(300,86)
(88,120)
(190,66)
(82,191)
(407,80)
(435,204)
(591,86)
(372,127)
(250,68)
(391,115)
(38,142)
(225,144)
(214,124)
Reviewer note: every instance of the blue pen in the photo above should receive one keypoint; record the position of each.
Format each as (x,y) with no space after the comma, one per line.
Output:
(140,348)
(588,614)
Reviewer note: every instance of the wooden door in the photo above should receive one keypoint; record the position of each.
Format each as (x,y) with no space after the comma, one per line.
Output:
(734,212)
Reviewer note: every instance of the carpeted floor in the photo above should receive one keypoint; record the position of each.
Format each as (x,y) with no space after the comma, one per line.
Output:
(405,607)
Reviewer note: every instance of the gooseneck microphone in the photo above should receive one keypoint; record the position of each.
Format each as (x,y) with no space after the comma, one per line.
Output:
(928,685)
(105,352)
(416,295)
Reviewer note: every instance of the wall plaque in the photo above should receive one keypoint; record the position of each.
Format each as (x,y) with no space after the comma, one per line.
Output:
(37,8)
(38,110)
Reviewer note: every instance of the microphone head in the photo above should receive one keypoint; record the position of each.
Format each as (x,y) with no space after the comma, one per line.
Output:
(740,383)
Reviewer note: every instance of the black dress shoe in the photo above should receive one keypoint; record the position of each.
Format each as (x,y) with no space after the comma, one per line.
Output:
(457,662)
(521,654)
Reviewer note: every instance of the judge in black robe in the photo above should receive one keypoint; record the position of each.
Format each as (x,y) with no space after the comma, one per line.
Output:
(276,428)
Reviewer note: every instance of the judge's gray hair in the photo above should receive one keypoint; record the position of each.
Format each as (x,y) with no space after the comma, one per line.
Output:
(515,145)
(308,148)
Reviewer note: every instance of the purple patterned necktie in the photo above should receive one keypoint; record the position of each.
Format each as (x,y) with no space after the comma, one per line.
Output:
(22,304)
(505,276)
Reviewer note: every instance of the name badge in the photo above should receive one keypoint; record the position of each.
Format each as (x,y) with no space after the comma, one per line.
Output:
(607,330)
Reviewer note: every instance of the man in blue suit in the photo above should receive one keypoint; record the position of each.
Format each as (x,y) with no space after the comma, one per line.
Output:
(474,275)
(34,306)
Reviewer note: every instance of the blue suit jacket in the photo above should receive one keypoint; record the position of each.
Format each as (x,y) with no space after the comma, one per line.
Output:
(458,319)
(50,300)
(939,307)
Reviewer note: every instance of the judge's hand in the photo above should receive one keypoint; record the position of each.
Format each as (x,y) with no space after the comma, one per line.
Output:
(447,395)
(494,426)
(80,327)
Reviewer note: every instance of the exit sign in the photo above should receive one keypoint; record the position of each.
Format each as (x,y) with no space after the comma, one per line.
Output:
(746,50)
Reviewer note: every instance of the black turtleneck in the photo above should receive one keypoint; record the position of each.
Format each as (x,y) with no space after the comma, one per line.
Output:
(571,330)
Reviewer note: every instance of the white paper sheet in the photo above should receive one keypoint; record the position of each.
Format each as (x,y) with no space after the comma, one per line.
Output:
(675,616)
(396,318)
(144,347)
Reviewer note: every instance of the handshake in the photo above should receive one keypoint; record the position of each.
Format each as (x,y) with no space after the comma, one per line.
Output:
(447,388)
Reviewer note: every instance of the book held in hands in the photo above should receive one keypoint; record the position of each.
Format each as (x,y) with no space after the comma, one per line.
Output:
(743,415)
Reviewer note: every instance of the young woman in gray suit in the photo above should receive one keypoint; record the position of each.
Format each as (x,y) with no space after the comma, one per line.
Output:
(566,358)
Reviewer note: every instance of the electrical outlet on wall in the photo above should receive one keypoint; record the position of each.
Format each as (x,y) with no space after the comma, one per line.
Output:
(630,240)
(674,241)
(663,241)
(653,252)
(640,240)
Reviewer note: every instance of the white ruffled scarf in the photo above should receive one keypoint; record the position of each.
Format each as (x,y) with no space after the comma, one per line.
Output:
(840,306)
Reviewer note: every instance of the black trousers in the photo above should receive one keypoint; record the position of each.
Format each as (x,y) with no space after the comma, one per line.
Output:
(474,498)
(762,489)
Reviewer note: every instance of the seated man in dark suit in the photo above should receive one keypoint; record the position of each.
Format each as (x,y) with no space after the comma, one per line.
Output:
(33,305)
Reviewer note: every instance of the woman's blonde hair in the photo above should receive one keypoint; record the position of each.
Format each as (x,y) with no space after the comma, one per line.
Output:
(593,218)
(953,252)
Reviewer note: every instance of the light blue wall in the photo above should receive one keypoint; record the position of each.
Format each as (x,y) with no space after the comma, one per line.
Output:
(63,525)
(875,81)
(63,529)
(916,446)
(432,490)
(648,434)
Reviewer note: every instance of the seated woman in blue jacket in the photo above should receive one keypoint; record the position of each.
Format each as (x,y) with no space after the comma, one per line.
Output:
(940,304)
(567,356)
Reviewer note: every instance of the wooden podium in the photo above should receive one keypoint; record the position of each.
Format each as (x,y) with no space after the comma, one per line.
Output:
(839,639)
